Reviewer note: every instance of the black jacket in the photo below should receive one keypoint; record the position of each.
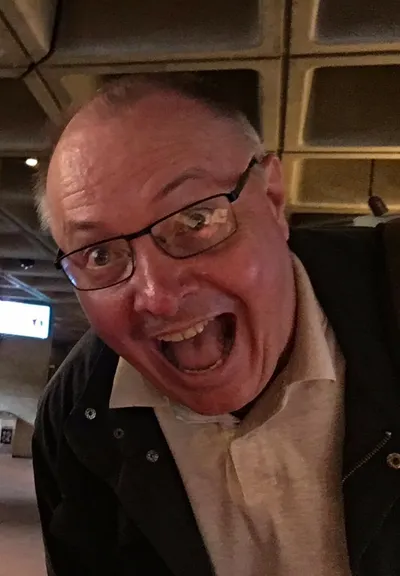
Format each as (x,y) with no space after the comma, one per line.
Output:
(107,508)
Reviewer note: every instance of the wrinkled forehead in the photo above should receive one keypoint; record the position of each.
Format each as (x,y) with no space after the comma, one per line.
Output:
(160,125)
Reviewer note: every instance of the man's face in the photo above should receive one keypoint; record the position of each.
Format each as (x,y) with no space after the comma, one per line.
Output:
(108,177)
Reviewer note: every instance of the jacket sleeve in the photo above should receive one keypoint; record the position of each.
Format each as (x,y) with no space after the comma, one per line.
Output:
(48,497)
(61,558)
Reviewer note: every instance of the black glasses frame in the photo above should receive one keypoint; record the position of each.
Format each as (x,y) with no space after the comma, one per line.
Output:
(231,197)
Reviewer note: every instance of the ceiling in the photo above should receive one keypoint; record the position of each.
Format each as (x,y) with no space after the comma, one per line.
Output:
(320,78)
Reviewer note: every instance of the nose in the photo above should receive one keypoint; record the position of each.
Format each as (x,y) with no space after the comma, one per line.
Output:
(160,282)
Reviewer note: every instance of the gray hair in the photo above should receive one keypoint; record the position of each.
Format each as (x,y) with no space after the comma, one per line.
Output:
(124,92)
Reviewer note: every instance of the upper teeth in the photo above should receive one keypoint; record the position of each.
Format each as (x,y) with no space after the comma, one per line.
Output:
(186,334)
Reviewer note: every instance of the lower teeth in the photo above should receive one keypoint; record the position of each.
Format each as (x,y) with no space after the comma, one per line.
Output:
(228,339)
(212,367)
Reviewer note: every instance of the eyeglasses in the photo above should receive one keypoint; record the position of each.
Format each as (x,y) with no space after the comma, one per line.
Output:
(187,232)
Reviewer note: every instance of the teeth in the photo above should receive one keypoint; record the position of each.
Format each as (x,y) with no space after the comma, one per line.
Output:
(217,364)
(186,334)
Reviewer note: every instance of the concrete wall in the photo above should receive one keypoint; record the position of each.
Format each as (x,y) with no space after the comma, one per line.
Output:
(23,374)
(21,445)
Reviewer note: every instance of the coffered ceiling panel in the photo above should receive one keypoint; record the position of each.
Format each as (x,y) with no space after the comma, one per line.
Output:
(32,22)
(7,226)
(56,285)
(103,32)
(15,245)
(386,181)
(12,54)
(345,26)
(340,183)
(22,119)
(344,103)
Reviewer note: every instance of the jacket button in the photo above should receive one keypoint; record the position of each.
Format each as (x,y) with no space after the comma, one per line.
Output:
(393,460)
(90,413)
(152,456)
(118,433)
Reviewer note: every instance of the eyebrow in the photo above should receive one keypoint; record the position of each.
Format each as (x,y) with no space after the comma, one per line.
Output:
(191,174)
(82,226)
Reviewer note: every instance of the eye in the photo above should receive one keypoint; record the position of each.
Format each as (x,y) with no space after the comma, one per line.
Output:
(197,218)
(98,257)
(196,227)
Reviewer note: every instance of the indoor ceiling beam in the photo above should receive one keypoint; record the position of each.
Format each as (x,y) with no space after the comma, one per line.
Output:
(25,287)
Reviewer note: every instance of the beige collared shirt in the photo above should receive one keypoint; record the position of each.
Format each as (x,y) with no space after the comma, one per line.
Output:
(266,492)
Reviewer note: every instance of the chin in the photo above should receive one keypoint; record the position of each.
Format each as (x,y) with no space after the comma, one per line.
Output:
(230,382)
(223,389)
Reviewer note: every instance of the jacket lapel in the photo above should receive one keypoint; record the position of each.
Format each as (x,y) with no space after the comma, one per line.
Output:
(126,448)
(347,270)
(151,492)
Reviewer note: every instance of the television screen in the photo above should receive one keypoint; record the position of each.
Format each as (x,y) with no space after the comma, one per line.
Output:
(23,319)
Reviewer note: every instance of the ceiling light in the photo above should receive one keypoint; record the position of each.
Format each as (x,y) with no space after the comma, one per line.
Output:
(32,162)
(26,263)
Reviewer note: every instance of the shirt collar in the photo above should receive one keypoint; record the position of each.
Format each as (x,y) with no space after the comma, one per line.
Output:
(130,388)
(313,354)
(311,359)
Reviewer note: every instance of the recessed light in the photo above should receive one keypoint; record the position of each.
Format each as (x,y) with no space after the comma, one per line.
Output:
(32,162)
(26,263)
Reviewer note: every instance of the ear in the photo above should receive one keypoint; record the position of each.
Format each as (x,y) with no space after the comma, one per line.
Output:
(275,191)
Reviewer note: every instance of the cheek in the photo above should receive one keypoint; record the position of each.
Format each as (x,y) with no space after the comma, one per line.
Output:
(244,276)
(107,314)
(255,265)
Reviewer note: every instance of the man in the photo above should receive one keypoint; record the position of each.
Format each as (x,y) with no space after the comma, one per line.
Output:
(219,415)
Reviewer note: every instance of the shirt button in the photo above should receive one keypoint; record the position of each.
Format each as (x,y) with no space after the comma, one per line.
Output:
(152,456)
(90,413)
(393,460)
(118,433)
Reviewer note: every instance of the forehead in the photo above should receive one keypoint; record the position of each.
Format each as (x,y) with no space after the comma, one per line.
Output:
(155,124)
(102,157)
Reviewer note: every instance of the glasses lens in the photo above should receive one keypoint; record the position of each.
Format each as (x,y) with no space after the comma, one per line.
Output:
(99,266)
(196,228)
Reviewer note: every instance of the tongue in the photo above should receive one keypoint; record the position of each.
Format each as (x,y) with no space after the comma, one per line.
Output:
(201,351)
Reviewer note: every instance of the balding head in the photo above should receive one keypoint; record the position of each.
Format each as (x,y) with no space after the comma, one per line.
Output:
(121,96)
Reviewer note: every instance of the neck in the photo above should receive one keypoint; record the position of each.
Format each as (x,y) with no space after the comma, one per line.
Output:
(280,366)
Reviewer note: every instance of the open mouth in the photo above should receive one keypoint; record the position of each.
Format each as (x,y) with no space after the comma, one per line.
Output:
(202,347)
